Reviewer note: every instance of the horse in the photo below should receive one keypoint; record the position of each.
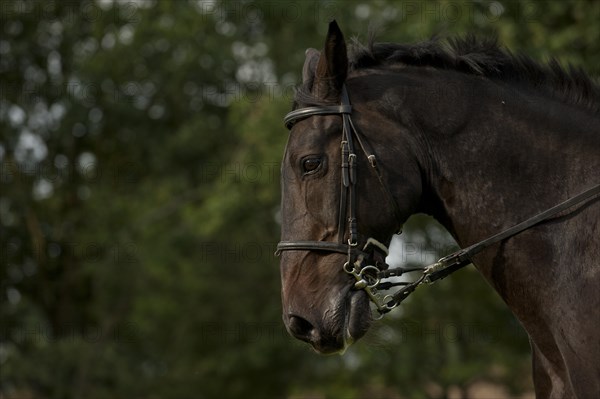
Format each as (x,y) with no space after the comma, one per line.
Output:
(473,135)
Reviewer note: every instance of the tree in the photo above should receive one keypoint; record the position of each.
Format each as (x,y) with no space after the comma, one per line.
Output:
(140,145)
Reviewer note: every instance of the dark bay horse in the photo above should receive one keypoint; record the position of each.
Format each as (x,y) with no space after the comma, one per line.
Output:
(475,136)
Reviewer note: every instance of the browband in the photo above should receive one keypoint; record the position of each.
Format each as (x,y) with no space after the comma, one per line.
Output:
(302,113)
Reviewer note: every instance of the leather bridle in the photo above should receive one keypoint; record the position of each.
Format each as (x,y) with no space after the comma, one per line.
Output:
(361,262)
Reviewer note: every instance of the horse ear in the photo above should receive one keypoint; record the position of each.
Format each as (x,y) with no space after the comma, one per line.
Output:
(332,68)
(310,65)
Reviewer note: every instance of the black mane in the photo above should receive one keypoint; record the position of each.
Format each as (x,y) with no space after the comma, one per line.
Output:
(477,56)
(484,57)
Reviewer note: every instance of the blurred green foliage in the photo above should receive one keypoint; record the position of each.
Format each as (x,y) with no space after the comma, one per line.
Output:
(140,144)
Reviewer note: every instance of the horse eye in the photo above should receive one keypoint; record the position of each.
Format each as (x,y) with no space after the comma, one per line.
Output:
(311,165)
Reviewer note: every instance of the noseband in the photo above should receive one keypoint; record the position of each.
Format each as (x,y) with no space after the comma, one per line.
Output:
(361,263)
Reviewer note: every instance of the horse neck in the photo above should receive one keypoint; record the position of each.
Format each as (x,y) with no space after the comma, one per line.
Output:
(499,154)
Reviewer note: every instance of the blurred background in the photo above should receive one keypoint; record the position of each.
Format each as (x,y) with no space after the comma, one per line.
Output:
(140,144)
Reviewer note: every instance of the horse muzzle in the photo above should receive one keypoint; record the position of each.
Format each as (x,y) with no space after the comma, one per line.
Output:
(335,329)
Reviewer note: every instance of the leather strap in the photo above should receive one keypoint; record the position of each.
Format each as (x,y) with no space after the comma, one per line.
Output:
(302,113)
(462,258)
(312,246)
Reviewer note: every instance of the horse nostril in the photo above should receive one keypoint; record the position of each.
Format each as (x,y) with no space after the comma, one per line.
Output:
(300,328)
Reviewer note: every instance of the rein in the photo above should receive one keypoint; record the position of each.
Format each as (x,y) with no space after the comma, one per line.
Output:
(361,263)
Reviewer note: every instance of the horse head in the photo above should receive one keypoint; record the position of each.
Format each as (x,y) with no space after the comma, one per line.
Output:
(336,199)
